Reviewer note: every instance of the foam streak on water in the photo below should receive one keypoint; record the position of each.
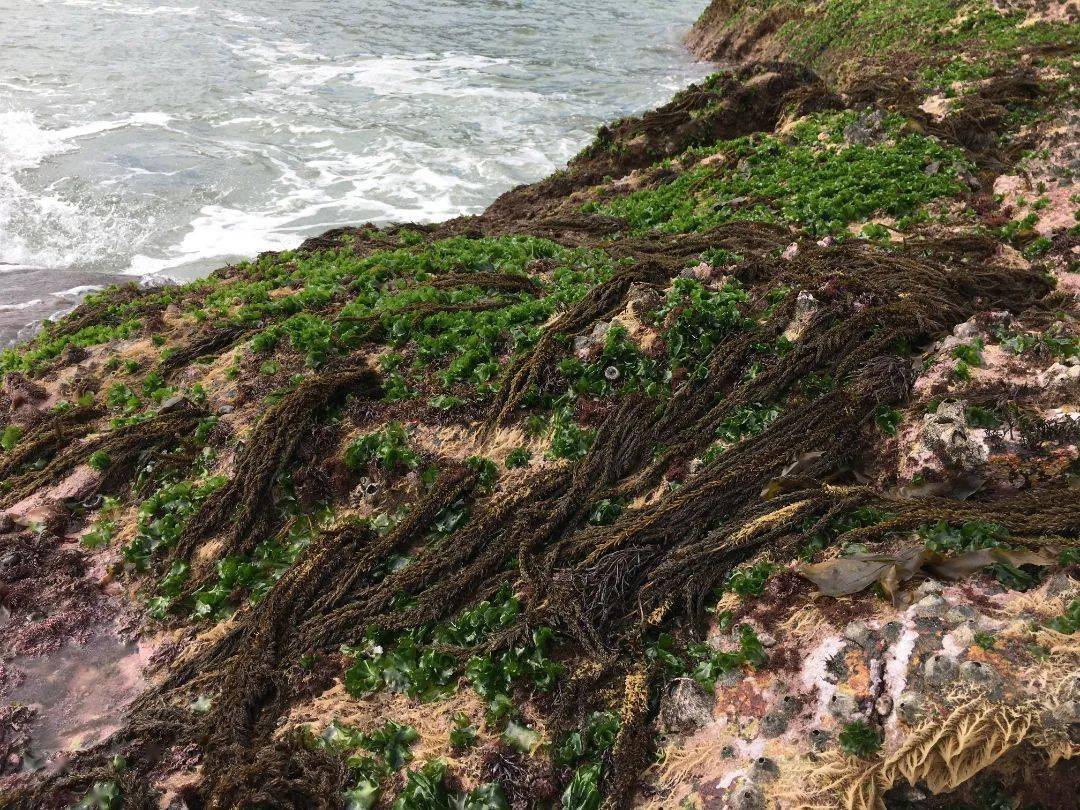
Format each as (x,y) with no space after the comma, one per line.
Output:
(145,138)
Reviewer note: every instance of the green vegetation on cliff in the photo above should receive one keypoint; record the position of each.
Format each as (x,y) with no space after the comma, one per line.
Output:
(939,41)
(815,177)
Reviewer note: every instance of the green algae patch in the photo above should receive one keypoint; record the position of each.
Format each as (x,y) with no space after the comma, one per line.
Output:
(374,758)
(818,179)
(45,348)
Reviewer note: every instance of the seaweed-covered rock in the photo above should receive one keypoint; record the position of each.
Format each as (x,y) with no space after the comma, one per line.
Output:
(746,440)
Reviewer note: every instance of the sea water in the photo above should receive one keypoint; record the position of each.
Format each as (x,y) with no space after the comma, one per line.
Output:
(148,139)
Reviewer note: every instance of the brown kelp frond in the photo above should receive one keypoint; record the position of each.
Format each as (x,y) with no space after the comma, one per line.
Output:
(529,372)
(631,752)
(604,587)
(355,595)
(47,437)
(287,773)
(123,448)
(239,510)
(105,309)
(213,341)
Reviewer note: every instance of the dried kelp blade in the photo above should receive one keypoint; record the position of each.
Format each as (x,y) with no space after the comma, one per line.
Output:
(846,575)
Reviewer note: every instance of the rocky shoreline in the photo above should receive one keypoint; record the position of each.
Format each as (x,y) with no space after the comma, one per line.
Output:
(735,465)
(32,295)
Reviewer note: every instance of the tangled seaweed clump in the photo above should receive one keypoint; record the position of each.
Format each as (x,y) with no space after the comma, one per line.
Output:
(733,465)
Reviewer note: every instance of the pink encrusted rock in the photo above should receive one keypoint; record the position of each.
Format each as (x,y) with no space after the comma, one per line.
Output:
(36,508)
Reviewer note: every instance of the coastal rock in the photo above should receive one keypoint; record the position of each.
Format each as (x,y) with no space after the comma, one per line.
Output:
(945,434)
(685,707)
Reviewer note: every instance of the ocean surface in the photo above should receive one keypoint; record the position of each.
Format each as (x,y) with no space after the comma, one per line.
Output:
(146,139)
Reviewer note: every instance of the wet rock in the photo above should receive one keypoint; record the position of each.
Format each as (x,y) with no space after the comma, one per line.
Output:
(189,376)
(686,706)
(1059,584)
(791,705)
(764,770)
(731,202)
(883,706)
(929,586)
(702,272)
(773,725)
(805,303)
(964,635)
(643,299)
(1059,375)
(945,433)
(890,631)
(584,345)
(977,673)
(960,613)
(868,129)
(967,330)
(843,706)
(931,606)
(172,404)
(820,739)
(939,669)
(910,707)
(748,796)
(965,176)
(858,633)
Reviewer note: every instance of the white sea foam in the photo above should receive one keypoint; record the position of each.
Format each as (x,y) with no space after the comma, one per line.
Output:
(44,229)
(132,9)
(296,68)
(306,204)
(24,305)
(246,21)
(24,144)
(14,267)
(77,292)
